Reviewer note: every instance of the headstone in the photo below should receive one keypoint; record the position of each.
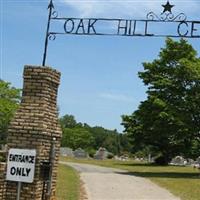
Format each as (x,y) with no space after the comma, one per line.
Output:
(124,158)
(190,161)
(80,153)
(198,160)
(65,151)
(178,160)
(101,154)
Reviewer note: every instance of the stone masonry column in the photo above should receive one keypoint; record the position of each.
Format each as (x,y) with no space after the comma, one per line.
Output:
(34,126)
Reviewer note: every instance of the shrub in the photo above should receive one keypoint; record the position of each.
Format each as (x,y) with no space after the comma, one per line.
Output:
(110,156)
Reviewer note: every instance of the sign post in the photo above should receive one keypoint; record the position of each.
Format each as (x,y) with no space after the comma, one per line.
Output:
(21,167)
(19,190)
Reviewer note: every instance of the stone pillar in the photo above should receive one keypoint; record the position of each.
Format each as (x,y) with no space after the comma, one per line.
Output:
(34,126)
(2,180)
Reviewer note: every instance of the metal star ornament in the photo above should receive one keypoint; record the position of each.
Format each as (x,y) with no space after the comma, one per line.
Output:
(167,7)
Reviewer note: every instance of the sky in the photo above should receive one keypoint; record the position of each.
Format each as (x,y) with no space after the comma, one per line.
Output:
(99,80)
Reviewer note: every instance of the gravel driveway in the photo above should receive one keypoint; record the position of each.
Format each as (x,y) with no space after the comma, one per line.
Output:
(103,183)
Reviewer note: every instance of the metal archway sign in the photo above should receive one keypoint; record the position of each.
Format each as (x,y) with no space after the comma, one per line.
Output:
(173,26)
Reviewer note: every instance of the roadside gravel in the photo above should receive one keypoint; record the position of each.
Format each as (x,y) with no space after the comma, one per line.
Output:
(103,183)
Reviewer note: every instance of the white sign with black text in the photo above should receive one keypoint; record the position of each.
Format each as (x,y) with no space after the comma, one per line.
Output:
(21,165)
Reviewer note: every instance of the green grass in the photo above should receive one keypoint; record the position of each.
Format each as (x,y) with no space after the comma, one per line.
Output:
(183,182)
(68,185)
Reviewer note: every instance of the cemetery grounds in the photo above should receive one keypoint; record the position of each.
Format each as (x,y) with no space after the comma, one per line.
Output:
(181,181)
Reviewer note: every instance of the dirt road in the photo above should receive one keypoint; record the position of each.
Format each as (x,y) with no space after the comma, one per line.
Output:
(103,183)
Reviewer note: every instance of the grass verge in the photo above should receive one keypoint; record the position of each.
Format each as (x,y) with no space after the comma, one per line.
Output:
(68,184)
(183,182)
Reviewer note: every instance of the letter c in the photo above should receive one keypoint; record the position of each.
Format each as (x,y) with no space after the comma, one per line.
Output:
(179,26)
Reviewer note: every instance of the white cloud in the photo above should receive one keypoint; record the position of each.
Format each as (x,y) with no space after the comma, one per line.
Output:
(116,97)
(128,8)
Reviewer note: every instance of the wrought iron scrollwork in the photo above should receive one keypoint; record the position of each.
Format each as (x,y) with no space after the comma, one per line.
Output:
(52,36)
(124,27)
(54,14)
(166,17)
(180,17)
(152,16)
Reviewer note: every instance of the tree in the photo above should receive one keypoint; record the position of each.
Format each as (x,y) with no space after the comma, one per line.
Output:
(77,134)
(168,122)
(99,134)
(9,102)
(77,138)
(68,121)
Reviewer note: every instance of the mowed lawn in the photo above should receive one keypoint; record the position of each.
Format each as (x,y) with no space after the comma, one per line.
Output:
(68,184)
(183,182)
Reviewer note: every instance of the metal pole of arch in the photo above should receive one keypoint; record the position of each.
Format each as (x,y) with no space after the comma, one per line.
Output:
(19,185)
(50,7)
